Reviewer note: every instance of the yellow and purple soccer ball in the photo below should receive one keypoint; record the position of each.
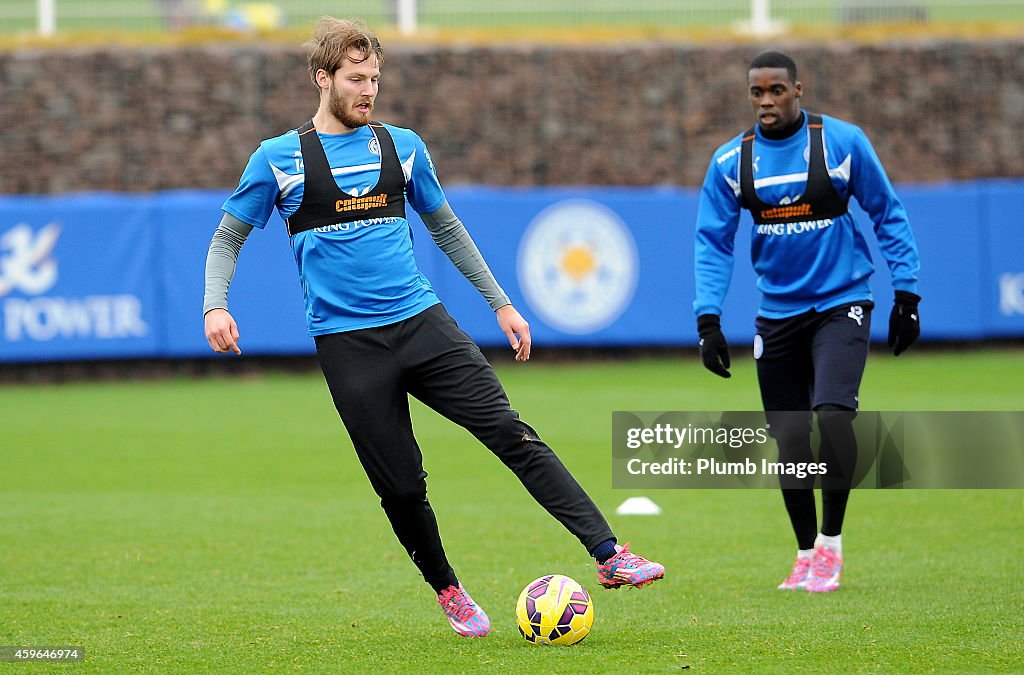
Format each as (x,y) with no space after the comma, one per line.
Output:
(554,610)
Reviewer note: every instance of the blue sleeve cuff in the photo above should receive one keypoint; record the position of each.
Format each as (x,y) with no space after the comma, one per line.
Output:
(700,310)
(909,285)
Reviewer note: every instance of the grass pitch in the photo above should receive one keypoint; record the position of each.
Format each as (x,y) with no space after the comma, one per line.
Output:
(649,16)
(224,525)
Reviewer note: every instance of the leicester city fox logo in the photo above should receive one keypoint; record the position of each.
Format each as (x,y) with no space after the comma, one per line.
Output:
(857,314)
(578,266)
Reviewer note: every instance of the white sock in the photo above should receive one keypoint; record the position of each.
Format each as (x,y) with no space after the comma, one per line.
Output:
(803,554)
(835,543)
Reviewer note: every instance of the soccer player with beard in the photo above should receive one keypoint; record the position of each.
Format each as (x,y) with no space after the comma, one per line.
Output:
(795,172)
(341,182)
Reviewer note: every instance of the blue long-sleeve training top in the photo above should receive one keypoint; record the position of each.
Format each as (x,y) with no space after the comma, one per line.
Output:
(800,266)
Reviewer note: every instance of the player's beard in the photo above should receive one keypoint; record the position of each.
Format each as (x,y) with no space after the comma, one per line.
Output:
(344,113)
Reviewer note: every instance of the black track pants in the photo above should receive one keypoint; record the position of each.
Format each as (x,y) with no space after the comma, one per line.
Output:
(371,373)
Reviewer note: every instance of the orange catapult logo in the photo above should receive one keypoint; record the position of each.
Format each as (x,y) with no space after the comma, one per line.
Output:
(787,211)
(361,203)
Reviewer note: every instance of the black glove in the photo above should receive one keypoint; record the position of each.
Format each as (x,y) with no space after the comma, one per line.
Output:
(904,322)
(714,350)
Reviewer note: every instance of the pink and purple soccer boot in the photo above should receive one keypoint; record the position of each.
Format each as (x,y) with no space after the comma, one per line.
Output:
(465,616)
(797,579)
(626,568)
(825,568)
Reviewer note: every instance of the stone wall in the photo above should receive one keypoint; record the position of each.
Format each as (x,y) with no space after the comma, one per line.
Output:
(133,119)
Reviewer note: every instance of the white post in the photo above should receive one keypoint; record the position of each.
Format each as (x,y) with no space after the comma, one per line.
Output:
(47,11)
(761,22)
(406,11)
(760,15)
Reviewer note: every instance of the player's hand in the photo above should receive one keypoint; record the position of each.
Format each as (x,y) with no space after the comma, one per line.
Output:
(904,322)
(516,330)
(221,331)
(714,350)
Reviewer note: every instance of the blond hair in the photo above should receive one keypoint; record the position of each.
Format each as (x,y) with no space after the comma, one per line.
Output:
(333,42)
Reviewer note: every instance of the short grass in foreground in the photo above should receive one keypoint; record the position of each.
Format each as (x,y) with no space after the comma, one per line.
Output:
(223,524)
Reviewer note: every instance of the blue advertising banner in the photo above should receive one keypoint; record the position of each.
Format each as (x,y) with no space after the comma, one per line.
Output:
(76,278)
(265,297)
(1001,258)
(121,276)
